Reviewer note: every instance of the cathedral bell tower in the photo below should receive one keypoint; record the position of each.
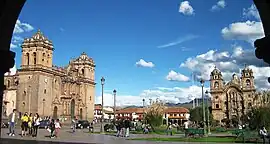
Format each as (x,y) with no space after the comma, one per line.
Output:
(37,51)
(216,90)
(248,87)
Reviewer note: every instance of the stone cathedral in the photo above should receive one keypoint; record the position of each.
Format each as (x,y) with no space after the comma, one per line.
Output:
(234,98)
(59,92)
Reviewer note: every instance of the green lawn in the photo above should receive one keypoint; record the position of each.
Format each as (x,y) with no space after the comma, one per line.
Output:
(203,139)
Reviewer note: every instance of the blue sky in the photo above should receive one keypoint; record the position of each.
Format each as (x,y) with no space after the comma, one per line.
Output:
(119,33)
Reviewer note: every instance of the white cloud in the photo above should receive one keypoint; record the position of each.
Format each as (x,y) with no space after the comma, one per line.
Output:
(143,63)
(186,8)
(12,71)
(21,27)
(172,95)
(174,76)
(229,63)
(247,31)
(179,41)
(13,45)
(251,12)
(219,5)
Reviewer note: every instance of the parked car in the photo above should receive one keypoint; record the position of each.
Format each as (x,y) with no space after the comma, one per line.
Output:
(44,124)
(81,124)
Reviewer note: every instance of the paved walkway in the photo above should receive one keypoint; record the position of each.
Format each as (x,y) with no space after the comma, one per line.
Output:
(82,136)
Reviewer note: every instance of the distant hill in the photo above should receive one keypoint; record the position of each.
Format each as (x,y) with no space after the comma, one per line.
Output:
(187,105)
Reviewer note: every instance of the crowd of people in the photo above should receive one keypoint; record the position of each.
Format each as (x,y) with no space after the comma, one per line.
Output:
(30,124)
(123,127)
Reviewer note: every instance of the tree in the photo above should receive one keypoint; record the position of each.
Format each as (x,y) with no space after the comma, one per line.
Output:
(154,114)
(259,117)
(196,115)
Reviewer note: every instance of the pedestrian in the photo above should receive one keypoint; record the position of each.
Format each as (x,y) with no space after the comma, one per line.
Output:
(169,129)
(30,124)
(12,120)
(52,128)
(73,124)
(57,127)
(118,128)
(127,127)
(36,122)
(24,125)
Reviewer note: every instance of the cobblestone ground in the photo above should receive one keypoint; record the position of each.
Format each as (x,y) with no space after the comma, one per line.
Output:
(82,136)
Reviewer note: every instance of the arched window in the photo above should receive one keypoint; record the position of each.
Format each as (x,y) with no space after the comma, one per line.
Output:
(45,91)
(216,85)
(8,83)
(217,106)
(82,71)
(24,95)
(13,104)
(248,82)
(27,58)
(35,58)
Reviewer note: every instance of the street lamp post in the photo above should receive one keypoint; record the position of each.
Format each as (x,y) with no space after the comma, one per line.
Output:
(143,110)
(208,112)
(43,104)
(114,105)
(102,112)
(203,108)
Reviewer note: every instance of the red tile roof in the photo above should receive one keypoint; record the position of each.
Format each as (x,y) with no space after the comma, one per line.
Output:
(176,110)
(130,110)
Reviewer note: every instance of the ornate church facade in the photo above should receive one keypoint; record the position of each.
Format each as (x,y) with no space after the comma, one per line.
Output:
(59,92)
(234,98)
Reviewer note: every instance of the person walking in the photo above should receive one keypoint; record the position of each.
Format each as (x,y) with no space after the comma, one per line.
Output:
(36,122)
(30,124)
(169,129)
(57,127)
(12,120)
(24,125)
(52,128)
(73,124)
(127,126)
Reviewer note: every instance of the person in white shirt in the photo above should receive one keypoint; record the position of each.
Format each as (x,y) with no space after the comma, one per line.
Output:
(185,127)
(57,127)
(36,122)
(263,133)
(12,120)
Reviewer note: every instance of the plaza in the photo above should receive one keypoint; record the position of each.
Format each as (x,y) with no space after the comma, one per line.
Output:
(83,136)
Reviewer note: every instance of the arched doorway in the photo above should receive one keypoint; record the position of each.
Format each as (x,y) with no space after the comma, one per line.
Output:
(72,108)
(81,113)
(55,109)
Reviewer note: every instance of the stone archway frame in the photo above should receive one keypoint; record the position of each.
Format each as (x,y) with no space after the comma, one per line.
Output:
(55,112)
(72,108)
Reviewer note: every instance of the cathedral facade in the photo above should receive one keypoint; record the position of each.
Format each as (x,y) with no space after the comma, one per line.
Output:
(234,98)
(41,87)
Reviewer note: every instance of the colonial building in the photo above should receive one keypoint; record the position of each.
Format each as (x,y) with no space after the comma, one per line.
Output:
(171,114)
(234,98)
(49,90)
(108,112)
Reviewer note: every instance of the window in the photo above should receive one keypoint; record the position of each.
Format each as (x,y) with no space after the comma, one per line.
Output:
(217,106)
(27,58)
(171,114)
(249,105)
(90,98)
(216,85)
(175,115)
(45,91)
(216,97)
(82,71)
(248,82)
(35,57)
(8,83)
